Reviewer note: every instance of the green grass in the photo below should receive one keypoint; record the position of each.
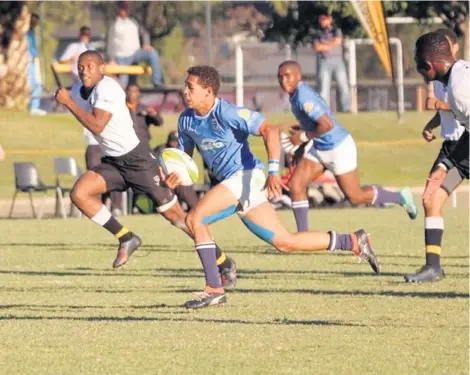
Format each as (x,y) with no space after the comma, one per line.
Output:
(40,139)
(63,310)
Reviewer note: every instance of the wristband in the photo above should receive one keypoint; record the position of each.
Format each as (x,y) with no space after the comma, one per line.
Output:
(303,137)
(273,167)
(443,166)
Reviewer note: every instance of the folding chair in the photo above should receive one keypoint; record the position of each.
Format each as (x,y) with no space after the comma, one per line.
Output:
(65,167)
(27,180)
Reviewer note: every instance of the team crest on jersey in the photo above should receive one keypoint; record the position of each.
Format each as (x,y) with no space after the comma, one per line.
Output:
(244,114)
(308,107)
(157,180)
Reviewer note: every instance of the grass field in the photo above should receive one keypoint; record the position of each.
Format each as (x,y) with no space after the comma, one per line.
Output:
(389,153)
(63,310)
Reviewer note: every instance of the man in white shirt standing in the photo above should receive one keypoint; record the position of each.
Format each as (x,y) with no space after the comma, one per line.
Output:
(127,161)
(124,45)
(436,62)
(73,50)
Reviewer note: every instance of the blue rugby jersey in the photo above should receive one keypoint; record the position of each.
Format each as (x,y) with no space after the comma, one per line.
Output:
(307,106)
(221,137)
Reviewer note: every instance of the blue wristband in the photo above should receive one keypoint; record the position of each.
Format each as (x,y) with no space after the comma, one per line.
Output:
(273,167)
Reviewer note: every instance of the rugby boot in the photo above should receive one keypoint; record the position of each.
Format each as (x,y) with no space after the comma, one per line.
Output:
(408,202)
(426,274)
(363,249)
(204,299)
(126,249)
(228,275)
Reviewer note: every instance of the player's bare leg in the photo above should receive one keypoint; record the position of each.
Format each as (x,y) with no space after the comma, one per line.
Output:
(375,195)
(264,222)
(217,204)
(85,195)
(434,228)
(305,171)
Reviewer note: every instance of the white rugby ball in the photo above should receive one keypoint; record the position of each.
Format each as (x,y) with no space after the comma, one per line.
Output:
(174,160)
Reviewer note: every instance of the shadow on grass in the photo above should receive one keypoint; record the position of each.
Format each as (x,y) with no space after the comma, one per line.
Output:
(125,319)
(197,273)
(352,293)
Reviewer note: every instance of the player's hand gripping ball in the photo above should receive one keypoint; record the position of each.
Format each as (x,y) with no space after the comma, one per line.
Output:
(174,160)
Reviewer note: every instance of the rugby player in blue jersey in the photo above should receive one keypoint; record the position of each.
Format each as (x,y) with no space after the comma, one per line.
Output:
(220,130)
(332,148)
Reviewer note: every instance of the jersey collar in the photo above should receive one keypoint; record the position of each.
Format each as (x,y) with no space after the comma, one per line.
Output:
(208,113)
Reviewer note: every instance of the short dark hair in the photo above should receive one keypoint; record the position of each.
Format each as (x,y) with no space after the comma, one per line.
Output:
(35,15)
(85,30)
(449,34)
(133,84)
(433,46)
(207,77)
(93,53)
(290,63)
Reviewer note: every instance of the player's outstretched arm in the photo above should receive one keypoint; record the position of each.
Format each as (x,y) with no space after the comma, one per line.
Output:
(94,122)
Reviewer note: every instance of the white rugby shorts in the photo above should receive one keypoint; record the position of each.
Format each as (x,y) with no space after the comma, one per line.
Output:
(340,160)
(247,187)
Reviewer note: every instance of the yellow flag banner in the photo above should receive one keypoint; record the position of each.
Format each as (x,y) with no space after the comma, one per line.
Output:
(371,16)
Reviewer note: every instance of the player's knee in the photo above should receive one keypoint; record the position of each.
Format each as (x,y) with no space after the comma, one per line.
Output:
(192,221)
(295,186)
(79,195)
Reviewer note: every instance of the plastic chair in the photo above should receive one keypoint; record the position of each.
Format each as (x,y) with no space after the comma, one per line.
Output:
(27,180)
(65,167)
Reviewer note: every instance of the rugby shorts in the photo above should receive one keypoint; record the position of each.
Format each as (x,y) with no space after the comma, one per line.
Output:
(248,188)
(138,169)
(340,160)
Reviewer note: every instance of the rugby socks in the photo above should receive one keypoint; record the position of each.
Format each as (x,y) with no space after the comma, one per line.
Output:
(104,218)
(340,241)
(433,231)
(300,209)
(222,260)
(206,252)
(382,196)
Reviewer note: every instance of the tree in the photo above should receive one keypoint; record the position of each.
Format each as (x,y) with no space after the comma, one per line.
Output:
(14,23)
(297,25)
(454,14)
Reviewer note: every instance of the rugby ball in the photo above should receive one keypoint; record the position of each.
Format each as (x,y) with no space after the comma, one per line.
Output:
(174,160)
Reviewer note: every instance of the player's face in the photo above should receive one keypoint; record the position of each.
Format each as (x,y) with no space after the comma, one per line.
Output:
(288,78)
(90,70)
(133,94)
(194,93)
(425,68)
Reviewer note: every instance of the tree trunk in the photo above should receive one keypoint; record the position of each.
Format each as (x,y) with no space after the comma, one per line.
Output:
(14,88)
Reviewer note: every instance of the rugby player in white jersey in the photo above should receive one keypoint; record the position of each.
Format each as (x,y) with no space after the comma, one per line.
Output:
(435,61)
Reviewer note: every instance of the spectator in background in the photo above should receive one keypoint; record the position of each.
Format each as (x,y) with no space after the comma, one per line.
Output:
(186,194)
(124,45)
(328,45)
(34,76)
(73,50)
(141,115)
